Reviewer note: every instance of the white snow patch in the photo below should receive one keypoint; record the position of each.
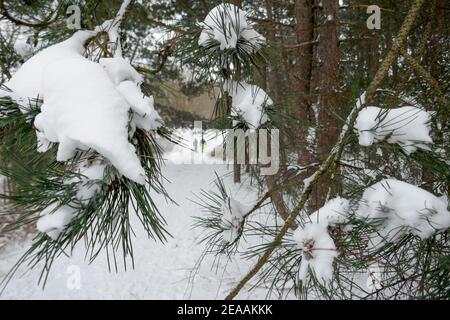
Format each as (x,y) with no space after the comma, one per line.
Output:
(91,180)
(334,212)
(406,126)
(22,48)
(227,24)
(54,219)
(145,116)
(120,70)
(232,216)
(318,251)
(402,208)
(86,104)
(248,101)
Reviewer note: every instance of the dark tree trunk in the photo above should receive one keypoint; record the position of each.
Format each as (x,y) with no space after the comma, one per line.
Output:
(326,86)
(301,79)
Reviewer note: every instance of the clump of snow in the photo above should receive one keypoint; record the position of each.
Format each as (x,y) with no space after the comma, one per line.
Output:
(86,105)
(408,126)
(145,116)
(334,212)
(318,250)
(84,110)
(232,216)
(400,208)
(43,144)
(54,219)
(227,24)
(248,102)
(92,174)
(120,70)
(27,82)
(22,48)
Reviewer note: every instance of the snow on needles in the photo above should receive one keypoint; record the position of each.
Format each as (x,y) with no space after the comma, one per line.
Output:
(232,216)
(406,126)
(334,212)
(226,24)
(54,219)
(27,82)
(249,102)
(318,248)
(399,208)
(318,251)
(86,105)
(22,48)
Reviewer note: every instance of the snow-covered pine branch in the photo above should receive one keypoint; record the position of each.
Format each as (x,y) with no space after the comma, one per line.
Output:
(103,126)
(249,103)
(227,26)
(409,127)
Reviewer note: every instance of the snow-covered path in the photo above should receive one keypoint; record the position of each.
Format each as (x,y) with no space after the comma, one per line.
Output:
(161,271)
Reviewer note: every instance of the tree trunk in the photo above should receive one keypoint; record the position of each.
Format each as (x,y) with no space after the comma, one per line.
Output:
(326,85)
(301,81)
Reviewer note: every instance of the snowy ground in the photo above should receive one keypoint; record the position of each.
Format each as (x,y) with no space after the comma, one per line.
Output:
(161,271)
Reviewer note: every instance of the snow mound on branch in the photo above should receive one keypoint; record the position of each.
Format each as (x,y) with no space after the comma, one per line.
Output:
(92,175)
(227,24)
(144,114)
(120,70)
(400,208)
(248,102)
(86,105)
(27,82)
(54,220)
(22,48)
(232,216)
(318,250)
(406,126)
(84,110)
(334,212)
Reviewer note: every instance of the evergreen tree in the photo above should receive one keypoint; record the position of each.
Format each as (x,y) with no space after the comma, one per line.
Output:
(359,207)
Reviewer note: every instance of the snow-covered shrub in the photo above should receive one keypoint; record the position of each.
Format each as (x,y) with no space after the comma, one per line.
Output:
(226,24)
(409,127)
